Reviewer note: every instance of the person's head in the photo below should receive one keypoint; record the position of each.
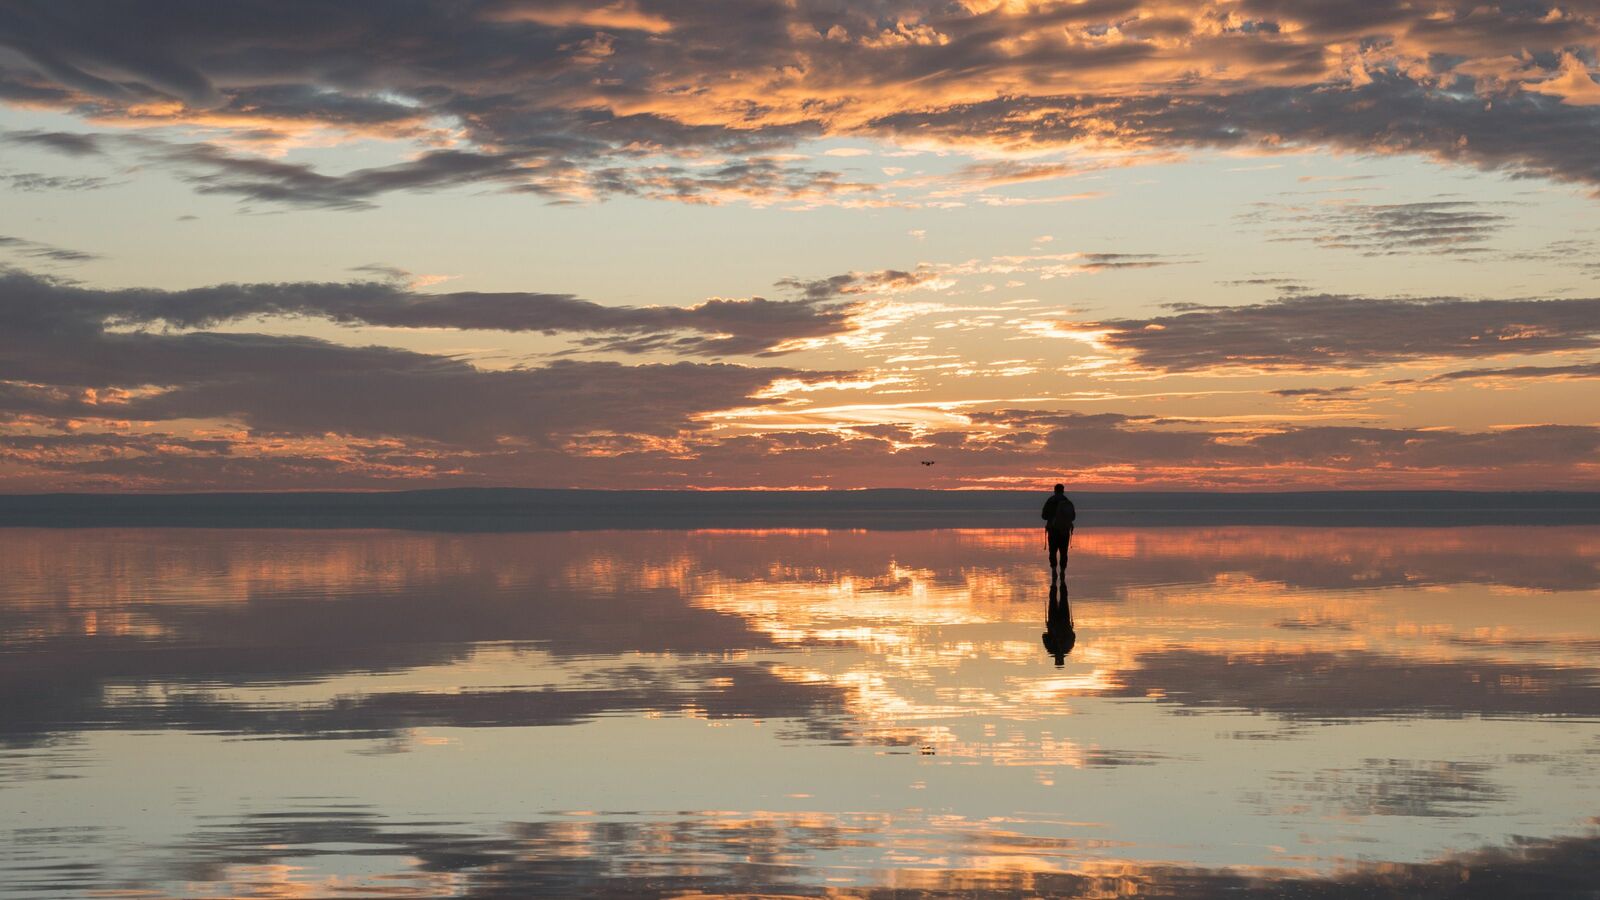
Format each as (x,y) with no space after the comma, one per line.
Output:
(1061,489)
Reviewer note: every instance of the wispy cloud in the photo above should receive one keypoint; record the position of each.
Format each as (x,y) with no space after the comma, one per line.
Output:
(41,252)
(1452,227)
(38,181)
(1515,373)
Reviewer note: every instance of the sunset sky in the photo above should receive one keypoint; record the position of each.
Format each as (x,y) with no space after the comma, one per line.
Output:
(1265,244)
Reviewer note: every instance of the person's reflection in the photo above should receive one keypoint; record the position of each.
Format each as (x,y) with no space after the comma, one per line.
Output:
(1059,636)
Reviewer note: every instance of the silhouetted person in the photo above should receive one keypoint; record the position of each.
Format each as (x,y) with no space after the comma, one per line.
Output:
(1059,517)
(1059,635)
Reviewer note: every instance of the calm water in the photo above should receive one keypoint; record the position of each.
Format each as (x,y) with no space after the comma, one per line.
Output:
(193,713)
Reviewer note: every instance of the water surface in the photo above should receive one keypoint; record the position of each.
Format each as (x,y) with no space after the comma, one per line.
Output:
(275,713)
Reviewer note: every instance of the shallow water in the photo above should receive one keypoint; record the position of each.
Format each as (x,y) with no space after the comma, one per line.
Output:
(276,713)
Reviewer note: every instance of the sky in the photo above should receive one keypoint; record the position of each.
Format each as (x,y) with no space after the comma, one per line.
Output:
(1253,245)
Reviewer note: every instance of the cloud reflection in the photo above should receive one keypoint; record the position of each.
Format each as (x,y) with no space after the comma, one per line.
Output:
(129,630)
(908,660)
(775,853)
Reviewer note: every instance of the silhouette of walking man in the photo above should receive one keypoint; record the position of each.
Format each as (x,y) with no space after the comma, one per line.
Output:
(1059,634)
(1059,517)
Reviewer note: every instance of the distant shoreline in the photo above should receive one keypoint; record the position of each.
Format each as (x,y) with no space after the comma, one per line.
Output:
(517,509)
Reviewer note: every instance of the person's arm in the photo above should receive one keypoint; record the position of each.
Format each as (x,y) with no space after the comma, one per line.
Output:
(1049,508)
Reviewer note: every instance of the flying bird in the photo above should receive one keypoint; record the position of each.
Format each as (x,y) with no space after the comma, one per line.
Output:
(928,462)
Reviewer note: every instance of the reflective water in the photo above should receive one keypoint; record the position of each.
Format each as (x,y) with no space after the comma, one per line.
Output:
(194,713)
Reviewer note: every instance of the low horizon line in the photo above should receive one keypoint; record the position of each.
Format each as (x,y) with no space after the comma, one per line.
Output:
(548,509)
(1095,491)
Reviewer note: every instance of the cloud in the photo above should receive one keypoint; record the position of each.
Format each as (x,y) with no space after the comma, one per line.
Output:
(67,143)
(717,326)
(1064,265)
(1281,285)
(1096,262)
(1108,450)
(316,389)
(1348,396)
(759,180)
(1451,227)
(1339,332)
(1555,373)
(647,425)
(37,181)
(1393,113)
(1573,85)
(213,170)
(574,101)
(851,283)
(617,15)
(144,366)
(59,354)
(1295,393)
(1347,455)
(38,250)
(1575,252)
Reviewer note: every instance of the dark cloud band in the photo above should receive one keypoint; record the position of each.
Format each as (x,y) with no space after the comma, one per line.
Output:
(714,327)
(1338,332)
(61,357)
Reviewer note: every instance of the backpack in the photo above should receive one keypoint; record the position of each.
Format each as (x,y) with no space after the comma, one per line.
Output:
(1064,516)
